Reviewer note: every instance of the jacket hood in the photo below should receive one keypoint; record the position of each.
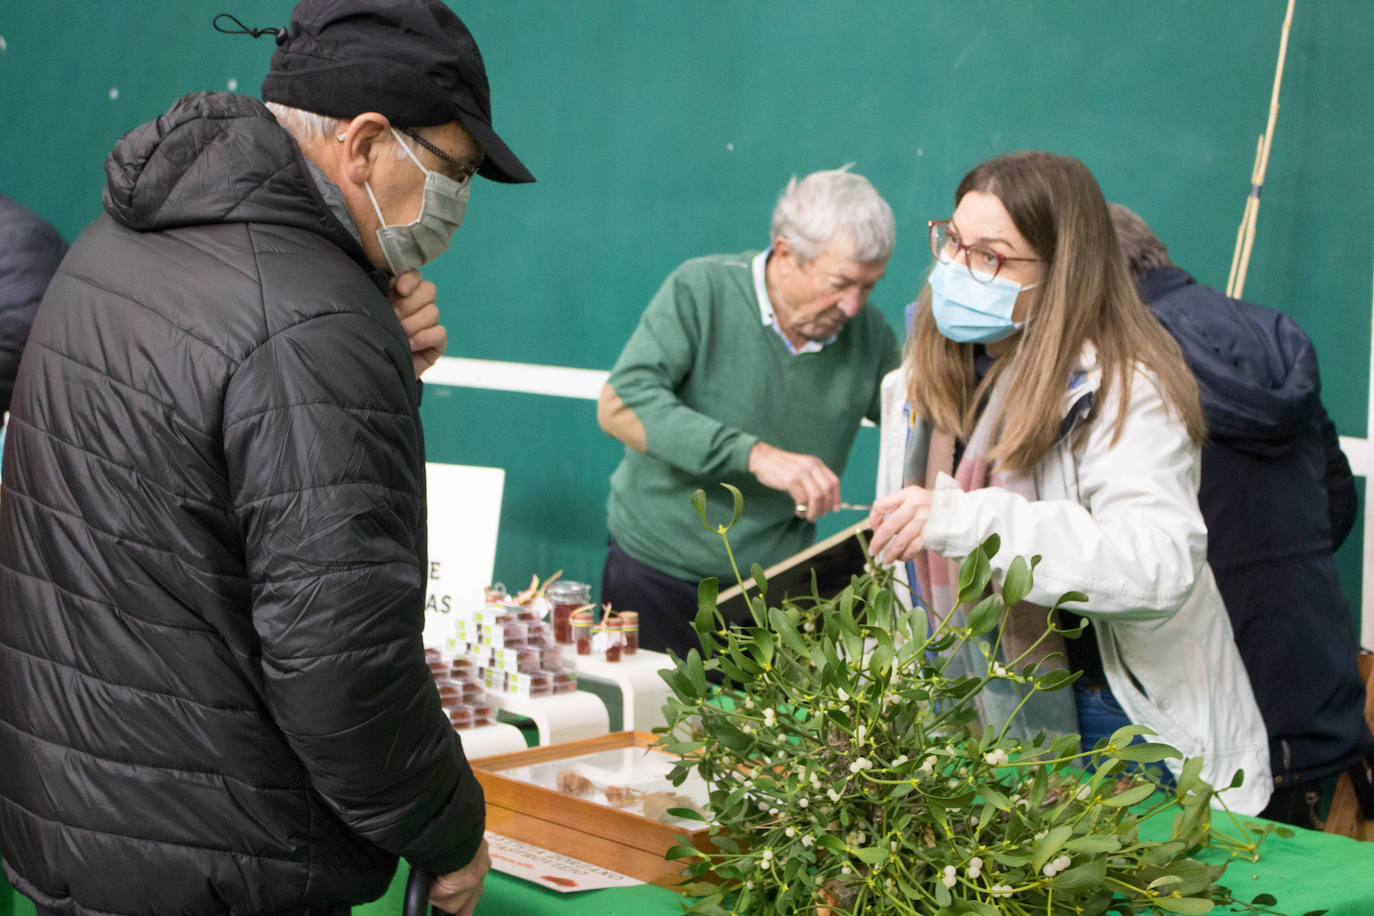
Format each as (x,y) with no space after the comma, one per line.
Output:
(215,157)
(1256,369)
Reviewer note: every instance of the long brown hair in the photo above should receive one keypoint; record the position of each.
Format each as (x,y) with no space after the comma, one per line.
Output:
(1086,296)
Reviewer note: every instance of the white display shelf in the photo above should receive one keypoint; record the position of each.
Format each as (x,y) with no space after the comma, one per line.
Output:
(497,738)
(561,717)
(642,691)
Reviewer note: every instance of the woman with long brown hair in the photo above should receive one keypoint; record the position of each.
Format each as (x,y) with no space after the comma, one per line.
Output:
(1040,401)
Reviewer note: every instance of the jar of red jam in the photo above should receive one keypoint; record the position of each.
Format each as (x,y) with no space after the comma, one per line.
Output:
(582,622)
(438,667)
(629,628)
(535,633)
(612,628)
(513,634)
(450,692)
(566,596)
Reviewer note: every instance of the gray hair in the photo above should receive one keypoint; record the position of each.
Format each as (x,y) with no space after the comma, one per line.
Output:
(301,124)
(831,203)
(1141,247)
(307,126)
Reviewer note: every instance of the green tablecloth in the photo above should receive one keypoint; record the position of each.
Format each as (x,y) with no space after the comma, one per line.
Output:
(1306,872)
(506,896)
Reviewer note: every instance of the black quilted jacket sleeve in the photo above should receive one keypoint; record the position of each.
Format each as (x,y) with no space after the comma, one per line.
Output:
(323,450)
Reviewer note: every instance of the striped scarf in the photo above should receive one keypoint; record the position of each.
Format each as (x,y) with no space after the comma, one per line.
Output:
(930,453)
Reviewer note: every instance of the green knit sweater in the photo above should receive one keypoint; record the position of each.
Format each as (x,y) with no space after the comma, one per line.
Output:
(708,379)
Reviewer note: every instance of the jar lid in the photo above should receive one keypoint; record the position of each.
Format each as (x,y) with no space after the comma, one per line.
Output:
(569,589)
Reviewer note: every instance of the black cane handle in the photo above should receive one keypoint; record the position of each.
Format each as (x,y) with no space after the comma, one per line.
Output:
(417,893)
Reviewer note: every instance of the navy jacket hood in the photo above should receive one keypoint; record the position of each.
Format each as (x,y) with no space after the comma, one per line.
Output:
(1256,369)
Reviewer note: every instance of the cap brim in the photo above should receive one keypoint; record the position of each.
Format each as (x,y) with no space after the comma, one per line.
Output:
(499,163)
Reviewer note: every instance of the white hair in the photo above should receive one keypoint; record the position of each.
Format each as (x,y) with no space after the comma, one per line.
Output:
(306,126)
(301,124)
(835,202)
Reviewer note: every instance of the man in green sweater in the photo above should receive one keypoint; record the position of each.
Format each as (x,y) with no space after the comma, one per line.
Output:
(752,369)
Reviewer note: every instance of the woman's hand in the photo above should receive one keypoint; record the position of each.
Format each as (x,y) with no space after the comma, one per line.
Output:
(898,521)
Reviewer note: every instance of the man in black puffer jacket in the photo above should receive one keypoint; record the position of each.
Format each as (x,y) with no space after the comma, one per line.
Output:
(1278,498)
(213,692)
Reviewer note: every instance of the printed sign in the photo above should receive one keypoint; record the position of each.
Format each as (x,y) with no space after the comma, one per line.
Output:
(550,869)
(464,516)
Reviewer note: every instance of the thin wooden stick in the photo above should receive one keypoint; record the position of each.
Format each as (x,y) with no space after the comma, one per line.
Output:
(1240,265)
(1244,220)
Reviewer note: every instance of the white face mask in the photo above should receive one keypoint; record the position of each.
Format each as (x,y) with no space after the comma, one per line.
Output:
(409,246)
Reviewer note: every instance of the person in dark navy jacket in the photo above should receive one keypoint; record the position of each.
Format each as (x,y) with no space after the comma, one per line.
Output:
(30,250)
(1278,498)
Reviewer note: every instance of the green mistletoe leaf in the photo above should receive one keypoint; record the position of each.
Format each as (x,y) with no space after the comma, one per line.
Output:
(1017,582)
(1130,796)
(1184,904)
(699,504)
(1048,845)
(1093,843)
(690,814)
(760,580)
(985,615)
(787,632)
(974,575)
(682,852)
(1071,598)
(739,504)
(873,855)
(832,843)
(1081,877)
(1148,752)
(729,736)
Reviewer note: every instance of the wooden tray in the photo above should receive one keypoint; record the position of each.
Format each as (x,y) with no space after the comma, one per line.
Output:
(622,841)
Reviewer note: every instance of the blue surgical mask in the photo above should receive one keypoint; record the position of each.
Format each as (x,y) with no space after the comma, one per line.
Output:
(969,311)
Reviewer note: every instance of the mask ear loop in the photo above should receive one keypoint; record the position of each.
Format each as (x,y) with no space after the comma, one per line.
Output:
(367,186)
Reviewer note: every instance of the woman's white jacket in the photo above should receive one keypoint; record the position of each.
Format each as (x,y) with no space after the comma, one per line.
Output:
(1119,521)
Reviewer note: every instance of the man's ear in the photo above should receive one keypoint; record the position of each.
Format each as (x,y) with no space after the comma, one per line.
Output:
(362,139)
(786,256)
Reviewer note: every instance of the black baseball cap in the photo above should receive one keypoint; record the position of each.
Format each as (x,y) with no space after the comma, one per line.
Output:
(411,60)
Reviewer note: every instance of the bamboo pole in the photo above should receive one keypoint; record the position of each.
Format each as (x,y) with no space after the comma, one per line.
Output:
(1251,200)
(1246,237)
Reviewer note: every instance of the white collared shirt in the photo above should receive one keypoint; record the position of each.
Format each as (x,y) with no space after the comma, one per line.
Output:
(770,320)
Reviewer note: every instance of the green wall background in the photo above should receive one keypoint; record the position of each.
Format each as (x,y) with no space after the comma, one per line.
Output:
(664,130)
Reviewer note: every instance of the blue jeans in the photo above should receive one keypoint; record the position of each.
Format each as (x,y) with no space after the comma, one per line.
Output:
(1099,715)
